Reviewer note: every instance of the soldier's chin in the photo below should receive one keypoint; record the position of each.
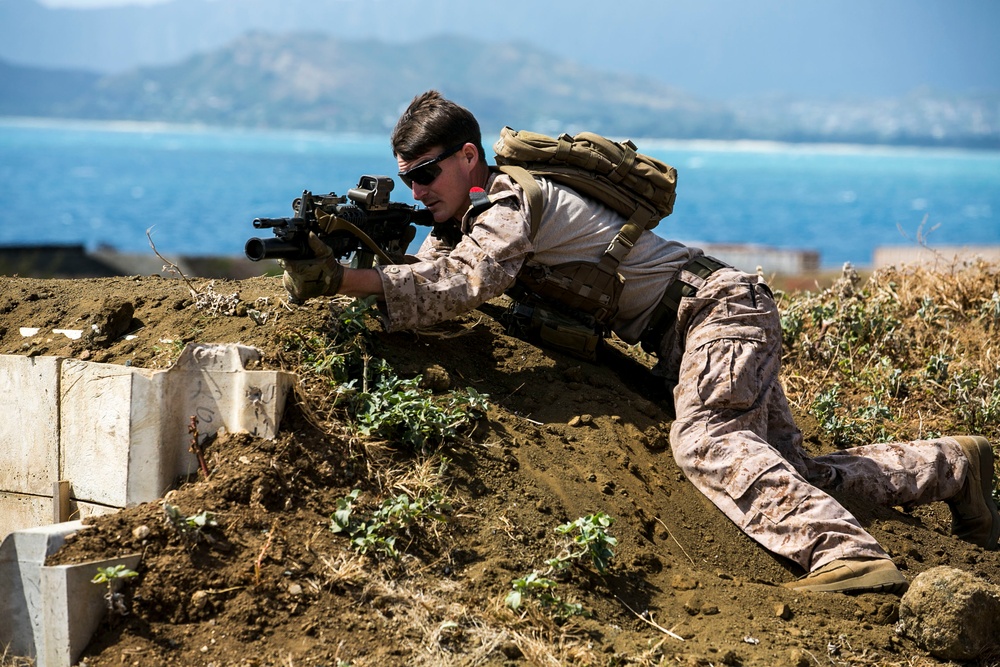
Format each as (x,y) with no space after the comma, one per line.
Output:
(440,213)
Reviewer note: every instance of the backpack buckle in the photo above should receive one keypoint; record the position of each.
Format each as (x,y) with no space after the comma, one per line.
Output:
(619,247)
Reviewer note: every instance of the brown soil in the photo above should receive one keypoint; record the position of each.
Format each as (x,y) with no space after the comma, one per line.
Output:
(563,439)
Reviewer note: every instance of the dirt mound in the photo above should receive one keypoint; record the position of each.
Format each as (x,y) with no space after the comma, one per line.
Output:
(272,584)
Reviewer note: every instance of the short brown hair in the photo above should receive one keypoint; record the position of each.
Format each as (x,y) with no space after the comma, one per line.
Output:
(431,121)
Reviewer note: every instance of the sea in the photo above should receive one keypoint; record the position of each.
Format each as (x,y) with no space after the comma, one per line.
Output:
(196,190)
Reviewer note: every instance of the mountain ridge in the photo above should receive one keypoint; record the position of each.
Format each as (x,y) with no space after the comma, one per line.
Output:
(310,80)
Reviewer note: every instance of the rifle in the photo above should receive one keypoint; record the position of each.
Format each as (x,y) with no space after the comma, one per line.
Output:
(370,227)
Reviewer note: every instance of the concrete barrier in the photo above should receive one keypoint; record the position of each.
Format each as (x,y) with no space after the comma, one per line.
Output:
(49,612)
(119,435)
(85,438)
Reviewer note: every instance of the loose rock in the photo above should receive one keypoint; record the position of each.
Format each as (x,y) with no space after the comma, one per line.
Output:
(951,614)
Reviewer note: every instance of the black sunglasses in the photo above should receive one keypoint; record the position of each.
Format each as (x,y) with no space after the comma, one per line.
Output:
(425,172)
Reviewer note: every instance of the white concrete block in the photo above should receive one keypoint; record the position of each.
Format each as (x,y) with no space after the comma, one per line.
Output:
(119,435)
(72,608)
(22,555)
(97,429)
(29,442)
(125,432)
(19,511)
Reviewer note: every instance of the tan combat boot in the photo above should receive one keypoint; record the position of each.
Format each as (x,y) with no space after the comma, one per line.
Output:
(853,575)
(974,516)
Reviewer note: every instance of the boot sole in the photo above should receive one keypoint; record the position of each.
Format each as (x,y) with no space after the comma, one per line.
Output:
(883,580)
(874,582)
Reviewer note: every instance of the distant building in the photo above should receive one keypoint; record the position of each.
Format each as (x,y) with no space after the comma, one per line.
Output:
(770,261)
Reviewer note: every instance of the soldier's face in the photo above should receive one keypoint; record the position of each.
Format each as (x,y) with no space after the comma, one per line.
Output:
(441,178)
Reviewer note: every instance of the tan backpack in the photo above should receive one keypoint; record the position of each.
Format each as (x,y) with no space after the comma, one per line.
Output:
(640,188)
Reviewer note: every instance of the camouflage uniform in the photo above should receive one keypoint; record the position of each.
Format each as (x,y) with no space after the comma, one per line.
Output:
(735,439)
(734,436)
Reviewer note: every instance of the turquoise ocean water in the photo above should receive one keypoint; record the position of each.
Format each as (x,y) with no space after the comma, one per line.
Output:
(198,190)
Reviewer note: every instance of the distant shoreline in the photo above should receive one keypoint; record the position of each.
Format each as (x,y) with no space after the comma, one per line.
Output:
(646,143)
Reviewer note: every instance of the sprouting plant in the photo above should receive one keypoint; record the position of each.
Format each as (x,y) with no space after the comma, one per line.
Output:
(542,589)
(990,309)
(400,410)
(936,368)
(340,353)
(590,537)
(792,325)
(824,406)
(378,533)
(928,310)
(114,577)
(191,528)
(977,398)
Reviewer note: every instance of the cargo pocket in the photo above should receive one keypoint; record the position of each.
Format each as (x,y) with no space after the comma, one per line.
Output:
(773,500)
(730,376)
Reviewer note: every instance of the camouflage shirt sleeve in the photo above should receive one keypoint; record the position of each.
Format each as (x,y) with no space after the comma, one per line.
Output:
(446,282)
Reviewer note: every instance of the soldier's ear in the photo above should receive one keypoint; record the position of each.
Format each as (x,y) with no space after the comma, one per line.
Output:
(470,153)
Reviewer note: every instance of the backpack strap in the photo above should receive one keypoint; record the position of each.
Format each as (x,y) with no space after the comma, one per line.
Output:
(619,247)
(532,192)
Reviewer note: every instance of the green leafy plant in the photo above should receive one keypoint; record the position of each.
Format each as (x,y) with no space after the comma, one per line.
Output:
(192,528)
(340,353)
(589,538)
(539,588)
(114,576)
(400,410)
(377,534)
(382,404)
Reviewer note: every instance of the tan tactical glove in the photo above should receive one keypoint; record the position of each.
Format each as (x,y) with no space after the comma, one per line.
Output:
(308,278)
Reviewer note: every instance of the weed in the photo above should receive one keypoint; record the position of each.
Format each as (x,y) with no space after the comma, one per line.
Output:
(400,410)
(113,577)
(977,399)
(377,534)
(541,589)
(191,528)
(339,354)
(936,368)
(591,538)
(990,310)
(382,404)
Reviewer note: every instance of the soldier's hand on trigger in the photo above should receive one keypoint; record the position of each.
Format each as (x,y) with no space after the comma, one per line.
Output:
(308,278)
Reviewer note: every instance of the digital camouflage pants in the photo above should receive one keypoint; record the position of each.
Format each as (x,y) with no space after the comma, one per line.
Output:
(736,441)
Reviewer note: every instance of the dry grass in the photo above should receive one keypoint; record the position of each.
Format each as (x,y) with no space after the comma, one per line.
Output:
(908,353)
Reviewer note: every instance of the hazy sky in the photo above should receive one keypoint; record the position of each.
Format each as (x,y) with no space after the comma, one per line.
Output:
(727,47)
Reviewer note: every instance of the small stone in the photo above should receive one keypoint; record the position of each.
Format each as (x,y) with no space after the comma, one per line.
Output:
(952,614)
(692,604)
(682,582)
(782,611)
(140,532)
(435,378)
(199,600)
(797,657)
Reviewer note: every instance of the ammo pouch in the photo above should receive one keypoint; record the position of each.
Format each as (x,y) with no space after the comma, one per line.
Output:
(554,329)
(582,287)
